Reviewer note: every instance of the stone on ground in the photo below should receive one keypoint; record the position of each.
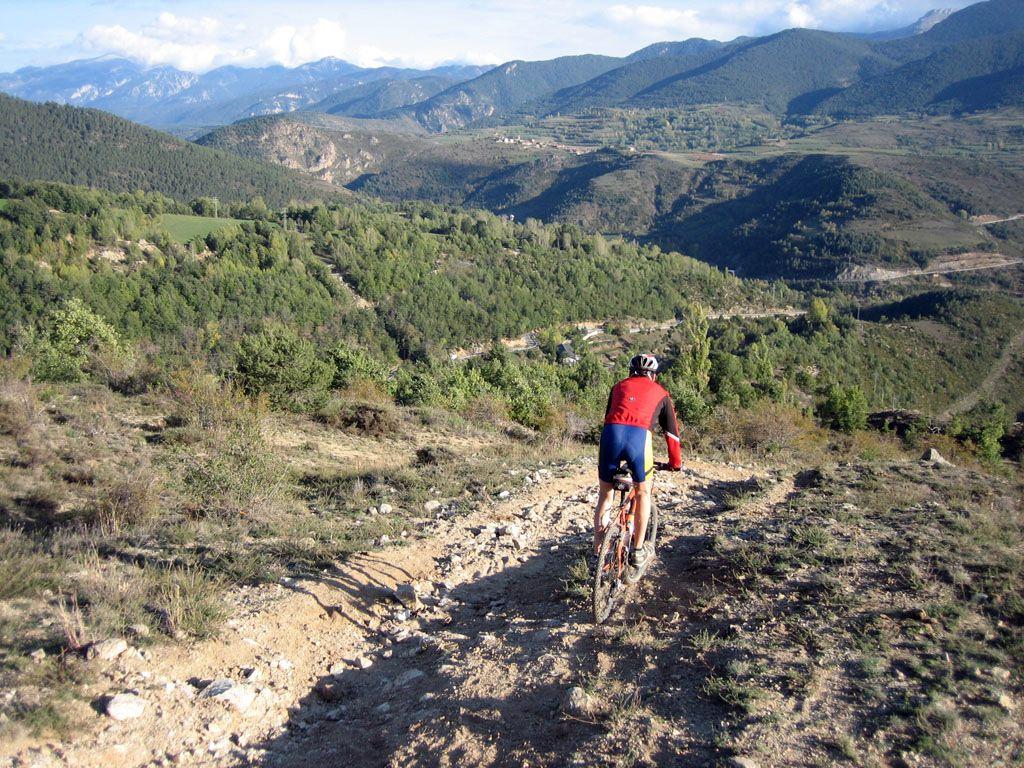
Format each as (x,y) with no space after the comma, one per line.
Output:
(932,456)
(125,706)
(107,650)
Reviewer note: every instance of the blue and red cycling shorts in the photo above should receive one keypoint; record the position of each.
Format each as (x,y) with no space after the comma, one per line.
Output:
(625,443)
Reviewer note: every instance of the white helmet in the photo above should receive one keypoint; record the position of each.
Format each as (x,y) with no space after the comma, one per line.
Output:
(642,364)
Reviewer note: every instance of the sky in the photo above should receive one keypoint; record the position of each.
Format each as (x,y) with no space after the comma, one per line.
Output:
(198,35)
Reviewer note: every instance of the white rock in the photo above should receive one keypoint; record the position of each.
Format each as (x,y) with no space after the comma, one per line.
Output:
(504,495)
(107,650)
(386,509)
(125,706)
(432,506)
(363,662)
(228,691)
(38,655)
(240,697)
(577,702)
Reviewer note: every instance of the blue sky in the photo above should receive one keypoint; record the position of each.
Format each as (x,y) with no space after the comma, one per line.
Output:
(201,34)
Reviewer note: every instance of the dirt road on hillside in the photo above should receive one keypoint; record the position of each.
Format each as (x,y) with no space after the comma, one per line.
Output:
(334,671)
(995,374)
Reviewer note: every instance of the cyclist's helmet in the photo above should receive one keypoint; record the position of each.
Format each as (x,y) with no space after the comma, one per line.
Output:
(642,364)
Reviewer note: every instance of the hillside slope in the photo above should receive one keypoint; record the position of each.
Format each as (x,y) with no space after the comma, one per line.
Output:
(90,147)
(977,74)
(503,88)
(771,71)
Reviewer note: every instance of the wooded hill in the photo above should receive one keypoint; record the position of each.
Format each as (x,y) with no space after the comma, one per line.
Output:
(86,146)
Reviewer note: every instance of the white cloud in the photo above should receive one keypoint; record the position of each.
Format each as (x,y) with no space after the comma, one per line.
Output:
(296,45)
(724,19)
(799,15)
(669,21)
(652,16)
(199,44)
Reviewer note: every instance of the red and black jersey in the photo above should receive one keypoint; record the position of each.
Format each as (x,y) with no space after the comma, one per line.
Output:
(641,402)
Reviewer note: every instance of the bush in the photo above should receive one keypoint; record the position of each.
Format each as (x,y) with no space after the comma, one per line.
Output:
(844,408)
(237,476)
(74,339)
(352,364)
(204,403)
(418,388)
(371,420)
(285,368)
(765,429)
(128,501)
(983,428)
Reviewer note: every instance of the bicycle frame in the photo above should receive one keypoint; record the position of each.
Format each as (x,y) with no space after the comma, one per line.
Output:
(627,507)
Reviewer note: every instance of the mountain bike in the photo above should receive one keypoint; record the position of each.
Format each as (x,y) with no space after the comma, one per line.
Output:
(613,571)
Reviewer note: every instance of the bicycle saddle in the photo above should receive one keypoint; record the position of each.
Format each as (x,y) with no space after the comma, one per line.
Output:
(622,481)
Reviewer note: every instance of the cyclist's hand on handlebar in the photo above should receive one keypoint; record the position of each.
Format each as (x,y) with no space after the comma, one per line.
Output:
(666,467)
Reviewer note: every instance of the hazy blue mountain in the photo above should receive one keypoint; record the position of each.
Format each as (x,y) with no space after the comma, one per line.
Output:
(167,97)
(919,27)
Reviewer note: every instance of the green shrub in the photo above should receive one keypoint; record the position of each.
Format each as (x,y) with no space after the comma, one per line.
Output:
(983,428)
(73,339)
(352,364)
(284,367)
(418,387)
(844,408)
(233,475)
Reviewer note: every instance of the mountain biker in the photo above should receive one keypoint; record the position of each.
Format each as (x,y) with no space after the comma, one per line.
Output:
(635,406)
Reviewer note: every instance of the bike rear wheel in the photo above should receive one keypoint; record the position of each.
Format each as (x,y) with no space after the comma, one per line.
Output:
(652,526)
(608,583)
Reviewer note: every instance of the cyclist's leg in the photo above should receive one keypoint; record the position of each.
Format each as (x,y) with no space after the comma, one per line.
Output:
(601,513)
(643,492)
(608,460)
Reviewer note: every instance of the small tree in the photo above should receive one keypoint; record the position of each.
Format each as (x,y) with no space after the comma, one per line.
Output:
(984,427)
(695,359)
(844,408)
(285,368)
(418,387)
(819,316)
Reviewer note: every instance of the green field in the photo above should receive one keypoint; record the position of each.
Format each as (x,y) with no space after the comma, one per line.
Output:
(4,203)
(183,228)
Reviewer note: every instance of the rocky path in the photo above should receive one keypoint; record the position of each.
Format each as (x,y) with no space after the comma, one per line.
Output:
(471,645)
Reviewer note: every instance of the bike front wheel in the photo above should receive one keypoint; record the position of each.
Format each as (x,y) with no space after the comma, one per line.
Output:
(608,577)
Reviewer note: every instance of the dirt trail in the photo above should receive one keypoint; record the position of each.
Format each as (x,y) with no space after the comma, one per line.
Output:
(995,375)
(965,262)
(333,670)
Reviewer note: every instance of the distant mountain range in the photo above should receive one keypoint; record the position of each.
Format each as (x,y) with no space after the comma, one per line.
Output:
(946,61)
(166,97)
